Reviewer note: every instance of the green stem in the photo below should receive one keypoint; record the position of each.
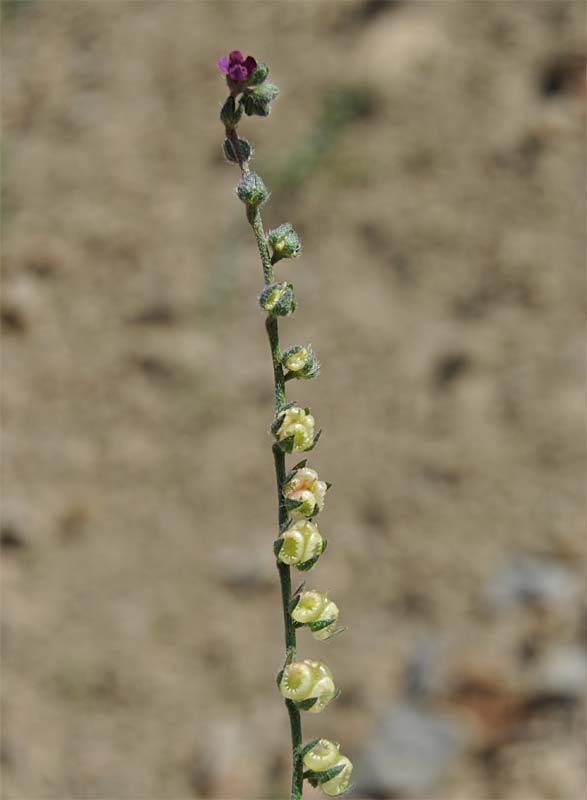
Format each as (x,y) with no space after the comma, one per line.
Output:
(259,231)
(279,379)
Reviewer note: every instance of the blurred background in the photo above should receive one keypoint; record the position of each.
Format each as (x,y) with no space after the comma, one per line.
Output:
(431,156)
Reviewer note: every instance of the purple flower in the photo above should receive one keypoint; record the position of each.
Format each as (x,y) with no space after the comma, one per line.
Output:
(236,67)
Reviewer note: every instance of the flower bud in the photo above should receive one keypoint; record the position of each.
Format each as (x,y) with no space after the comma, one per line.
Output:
(306,489)
(302,361)
(258,100)
(259,75)
(252,191)
(300,544)
(304,681)
(231,113)
(284,242)
(318,612)
(278,299)
(245,150)
(294,430)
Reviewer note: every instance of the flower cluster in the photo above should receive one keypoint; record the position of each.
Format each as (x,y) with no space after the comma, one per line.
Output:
(306,685)
(304,493)
(320,614)
(301,545)
(251,190)
(301,362)
(328,768)
(294,429)
(245,76)
(284,243)
(278,299)
(309,684)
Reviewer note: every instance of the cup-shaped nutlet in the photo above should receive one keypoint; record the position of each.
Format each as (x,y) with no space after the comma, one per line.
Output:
(294,430)
(284,242)
(252,191)
(308,683)
(302,361)
(320,614)
(301,545)
(278,299)
(305,488)
(325,758)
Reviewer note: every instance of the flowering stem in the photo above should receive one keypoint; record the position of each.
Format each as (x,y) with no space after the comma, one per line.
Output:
(271,325)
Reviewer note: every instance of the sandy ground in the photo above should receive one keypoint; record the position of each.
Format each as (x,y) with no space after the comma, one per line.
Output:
(431,155)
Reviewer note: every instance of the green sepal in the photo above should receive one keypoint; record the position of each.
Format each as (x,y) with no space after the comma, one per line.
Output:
(287,444)
(312,781)
(244,147)
(292,473)
(253,106)
(315,441)
(328,485)
(305,566)
(308,746)
(298,591)
(338,631)
(292,605)
(265,93)
(289,657)
(277,544)
(258,99)
(291,351)
(259,75)
(320,624)
(304,705)
(291,505)
(230,113)
(324,775)
(309,372)
(276,424)
(324,545)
